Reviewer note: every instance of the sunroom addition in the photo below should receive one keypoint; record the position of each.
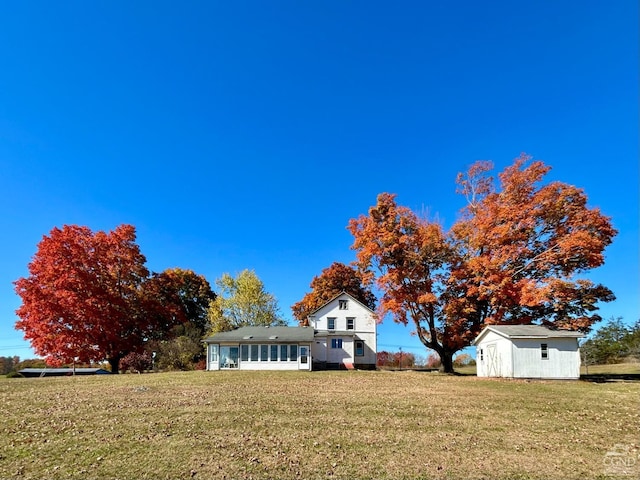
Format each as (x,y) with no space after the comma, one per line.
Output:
(260,348)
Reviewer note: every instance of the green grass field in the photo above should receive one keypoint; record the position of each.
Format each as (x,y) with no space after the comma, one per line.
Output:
(301,425)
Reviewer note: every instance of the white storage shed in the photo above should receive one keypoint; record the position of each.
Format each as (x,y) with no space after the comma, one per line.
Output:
(527,351)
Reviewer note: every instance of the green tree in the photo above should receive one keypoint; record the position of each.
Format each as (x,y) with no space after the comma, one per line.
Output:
(242,301)
(609,344)
(181,350)
(632,340)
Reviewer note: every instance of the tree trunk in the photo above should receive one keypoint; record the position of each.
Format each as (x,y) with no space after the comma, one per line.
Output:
(446,361)
(115,364)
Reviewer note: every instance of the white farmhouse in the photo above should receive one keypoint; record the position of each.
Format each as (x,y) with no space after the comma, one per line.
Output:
(341,334)
(345,334)
(527,351)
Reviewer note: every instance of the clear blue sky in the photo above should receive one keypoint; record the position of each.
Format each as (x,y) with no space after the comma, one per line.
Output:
(245,134)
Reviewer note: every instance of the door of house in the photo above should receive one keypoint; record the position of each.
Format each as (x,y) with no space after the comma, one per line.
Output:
(493,362)
(303,359)
(213,357)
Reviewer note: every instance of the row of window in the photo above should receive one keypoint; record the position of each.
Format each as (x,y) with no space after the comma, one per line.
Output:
(331,323)
(259,353)
(358,344)
(272,353)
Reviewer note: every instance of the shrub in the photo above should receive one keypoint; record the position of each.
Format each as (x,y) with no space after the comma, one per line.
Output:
(137,362)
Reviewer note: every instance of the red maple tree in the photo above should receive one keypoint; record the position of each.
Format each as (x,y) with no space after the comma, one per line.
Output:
(81,301)
(517,255)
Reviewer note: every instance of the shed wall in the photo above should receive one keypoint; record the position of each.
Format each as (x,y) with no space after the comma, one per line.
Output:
(562,362)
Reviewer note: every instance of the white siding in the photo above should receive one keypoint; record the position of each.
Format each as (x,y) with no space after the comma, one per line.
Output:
(364,329)
(563,359)
(319,349)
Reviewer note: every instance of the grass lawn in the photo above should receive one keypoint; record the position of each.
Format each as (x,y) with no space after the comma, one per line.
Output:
(614,368)
(301,425)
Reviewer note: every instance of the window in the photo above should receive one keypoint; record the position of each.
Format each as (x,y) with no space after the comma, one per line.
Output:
(350,323)
(359,348)
(331,323)
(343,304)
(283,353)
(481,355)
(303,355)
(229,356)
(244,353)
(544,350)
(293,353)
(274,353)
(336,343)
(264,353)
(214,353)
(254,353)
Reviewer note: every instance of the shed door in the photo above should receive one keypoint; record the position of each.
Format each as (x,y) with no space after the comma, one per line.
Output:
(493,362)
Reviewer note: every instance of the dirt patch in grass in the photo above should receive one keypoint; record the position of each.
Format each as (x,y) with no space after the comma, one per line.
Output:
(311,425)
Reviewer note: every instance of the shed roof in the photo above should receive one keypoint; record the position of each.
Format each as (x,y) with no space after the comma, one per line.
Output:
(263,334)
(527,331)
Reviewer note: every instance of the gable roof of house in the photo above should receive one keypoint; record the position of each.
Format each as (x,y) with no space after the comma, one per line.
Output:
(263,334)
(526,331)
(336,297)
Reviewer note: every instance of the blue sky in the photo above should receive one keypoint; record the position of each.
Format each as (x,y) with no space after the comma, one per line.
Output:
(246,134)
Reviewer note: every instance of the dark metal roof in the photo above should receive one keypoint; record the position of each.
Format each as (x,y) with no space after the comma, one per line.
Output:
(264,335)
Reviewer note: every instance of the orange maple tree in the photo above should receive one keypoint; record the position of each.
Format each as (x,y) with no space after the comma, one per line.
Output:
(516,255)
(81,301)
(333,280)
